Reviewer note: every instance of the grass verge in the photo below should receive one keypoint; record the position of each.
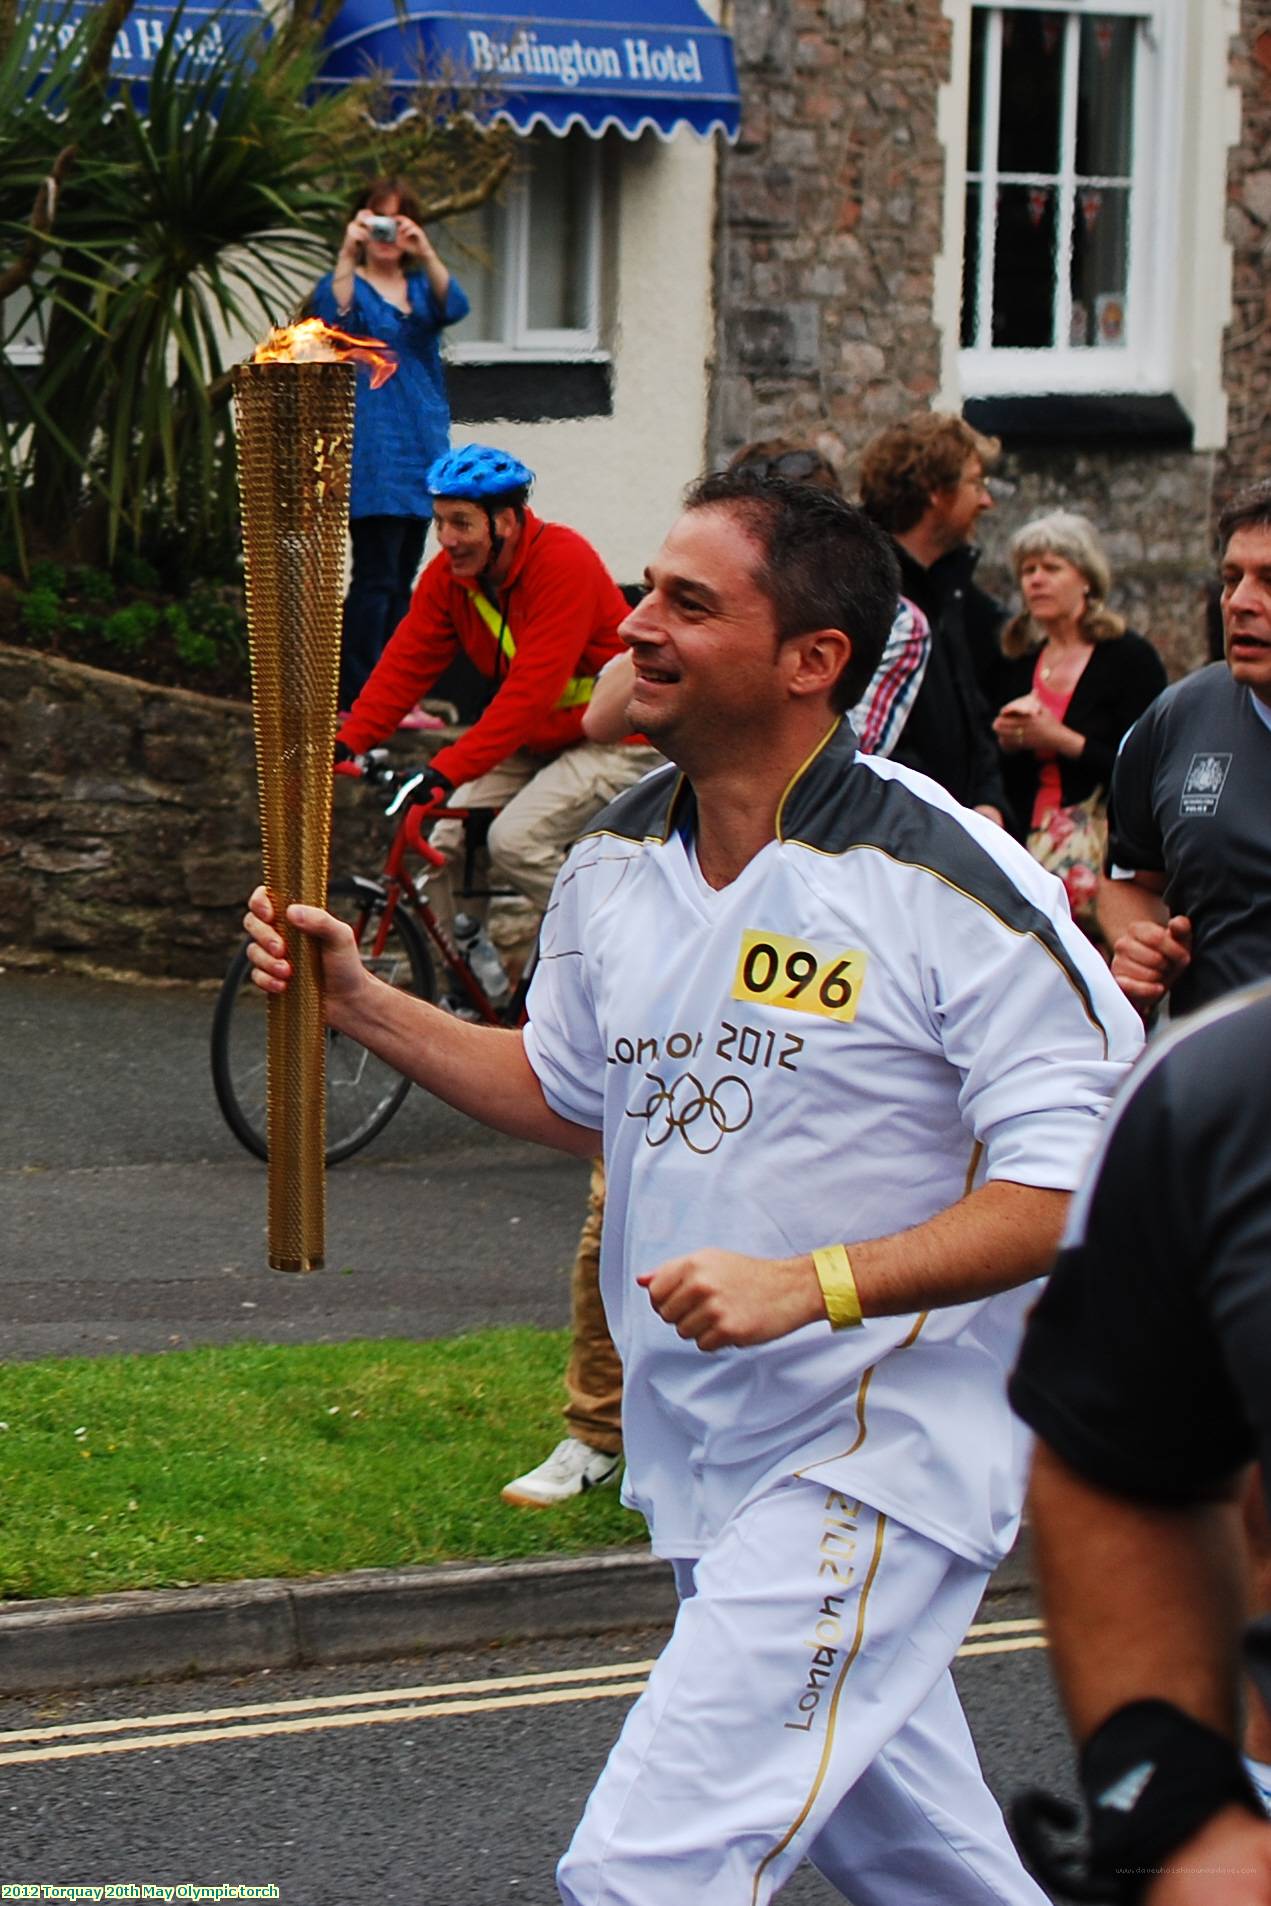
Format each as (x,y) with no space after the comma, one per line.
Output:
(211,1465)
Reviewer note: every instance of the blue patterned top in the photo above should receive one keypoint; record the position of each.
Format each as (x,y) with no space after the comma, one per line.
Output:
(401,428)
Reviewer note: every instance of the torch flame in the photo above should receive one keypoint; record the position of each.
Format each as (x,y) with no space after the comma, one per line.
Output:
(313,342)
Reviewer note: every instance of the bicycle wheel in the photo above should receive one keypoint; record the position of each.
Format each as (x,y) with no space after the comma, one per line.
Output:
(362,1092)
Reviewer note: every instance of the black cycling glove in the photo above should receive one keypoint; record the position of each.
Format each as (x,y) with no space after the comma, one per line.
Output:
(430,789)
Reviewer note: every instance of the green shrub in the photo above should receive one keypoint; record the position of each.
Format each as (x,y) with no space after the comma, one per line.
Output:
(134,572)
(210,610)
(49,576)
(131,629)
(215,624)
(41,614)
(84,623)
(93,586)
(195,649)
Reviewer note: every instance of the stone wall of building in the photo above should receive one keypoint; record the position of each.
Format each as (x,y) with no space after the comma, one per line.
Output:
(1247,356)
(129,837)
(829,219)
(1153,515)
(829,222)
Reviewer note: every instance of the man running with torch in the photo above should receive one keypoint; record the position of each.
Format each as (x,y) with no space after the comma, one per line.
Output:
(804,999)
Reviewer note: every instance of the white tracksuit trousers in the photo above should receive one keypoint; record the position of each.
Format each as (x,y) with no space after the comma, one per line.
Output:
(803,1708)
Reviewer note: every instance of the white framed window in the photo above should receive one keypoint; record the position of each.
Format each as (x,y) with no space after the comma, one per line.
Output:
(1070,217)
(530,260)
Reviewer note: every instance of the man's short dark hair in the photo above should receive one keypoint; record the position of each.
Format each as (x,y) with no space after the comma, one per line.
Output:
(824,565)
(1248,509)
(903,466)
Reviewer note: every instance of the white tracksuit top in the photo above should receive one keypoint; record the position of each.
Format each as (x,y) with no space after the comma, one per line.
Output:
(888,1005)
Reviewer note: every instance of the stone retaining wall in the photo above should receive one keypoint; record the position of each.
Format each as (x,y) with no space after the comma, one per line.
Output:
(129,837)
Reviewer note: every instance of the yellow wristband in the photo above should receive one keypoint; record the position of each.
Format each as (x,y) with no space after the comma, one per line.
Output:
(838,1287)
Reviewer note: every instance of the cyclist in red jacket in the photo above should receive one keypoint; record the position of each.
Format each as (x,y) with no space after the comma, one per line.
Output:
(533,606)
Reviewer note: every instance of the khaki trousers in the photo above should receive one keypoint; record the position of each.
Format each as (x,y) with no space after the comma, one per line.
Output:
(546,803)
(593,1378)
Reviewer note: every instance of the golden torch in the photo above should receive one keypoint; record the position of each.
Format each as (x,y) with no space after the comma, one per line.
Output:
(294,414)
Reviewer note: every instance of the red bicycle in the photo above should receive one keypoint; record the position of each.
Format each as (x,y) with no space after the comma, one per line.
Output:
(402,942)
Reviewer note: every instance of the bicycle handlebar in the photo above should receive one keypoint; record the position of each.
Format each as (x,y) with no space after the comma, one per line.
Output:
(415,819)
(374,766)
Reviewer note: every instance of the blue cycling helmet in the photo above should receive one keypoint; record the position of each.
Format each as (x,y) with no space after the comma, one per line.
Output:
(478,474)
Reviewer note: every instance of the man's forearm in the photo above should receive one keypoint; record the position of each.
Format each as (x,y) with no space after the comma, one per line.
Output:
(999,1236)
(1123,903)
(1141,1602)
(480,1070)
(605,716)
(1002,1235)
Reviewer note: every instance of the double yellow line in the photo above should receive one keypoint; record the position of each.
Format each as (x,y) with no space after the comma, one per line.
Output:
(136,1734)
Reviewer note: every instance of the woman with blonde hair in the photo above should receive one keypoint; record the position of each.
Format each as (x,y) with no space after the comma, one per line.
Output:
(1074,679)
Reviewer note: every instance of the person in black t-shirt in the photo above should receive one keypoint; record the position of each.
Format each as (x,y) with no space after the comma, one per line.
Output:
(1146,1373)
(1187,906)
(1186,902)
(925,482)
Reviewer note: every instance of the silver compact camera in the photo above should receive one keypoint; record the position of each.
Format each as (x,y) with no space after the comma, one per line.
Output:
(382,227)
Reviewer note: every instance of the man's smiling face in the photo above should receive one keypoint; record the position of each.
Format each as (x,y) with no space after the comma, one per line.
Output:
(463,531)
(704,639)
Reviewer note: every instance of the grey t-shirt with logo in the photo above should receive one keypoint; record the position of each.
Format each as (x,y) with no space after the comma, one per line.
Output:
(1191,798)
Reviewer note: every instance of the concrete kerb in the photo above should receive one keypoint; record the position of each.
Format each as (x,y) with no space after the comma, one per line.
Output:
(367,1615)
(370,1614)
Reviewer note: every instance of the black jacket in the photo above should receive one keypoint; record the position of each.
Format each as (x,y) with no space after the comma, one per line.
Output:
(1116,685)
(949,732)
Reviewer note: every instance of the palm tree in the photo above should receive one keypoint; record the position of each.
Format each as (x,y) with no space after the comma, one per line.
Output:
(204,208)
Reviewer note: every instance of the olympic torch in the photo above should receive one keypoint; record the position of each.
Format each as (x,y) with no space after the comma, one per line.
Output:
(294,414)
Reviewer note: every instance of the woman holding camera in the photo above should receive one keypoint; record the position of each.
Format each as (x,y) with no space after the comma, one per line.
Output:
(389,284)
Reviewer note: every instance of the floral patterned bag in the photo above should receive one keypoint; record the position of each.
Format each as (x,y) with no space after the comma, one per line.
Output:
(1070,844)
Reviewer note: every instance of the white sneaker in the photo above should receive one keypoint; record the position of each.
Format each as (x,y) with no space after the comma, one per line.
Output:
(571,1468)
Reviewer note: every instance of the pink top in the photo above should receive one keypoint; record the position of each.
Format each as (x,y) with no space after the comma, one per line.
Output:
(1049,789)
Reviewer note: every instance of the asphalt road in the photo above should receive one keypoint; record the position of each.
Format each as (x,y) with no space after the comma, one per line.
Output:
(461,1798)
(131,1219)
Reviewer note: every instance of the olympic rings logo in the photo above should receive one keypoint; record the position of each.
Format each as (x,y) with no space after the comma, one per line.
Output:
(703,1117)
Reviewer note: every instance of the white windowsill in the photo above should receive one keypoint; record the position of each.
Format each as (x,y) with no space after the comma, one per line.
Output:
(538,354)
(1106,371)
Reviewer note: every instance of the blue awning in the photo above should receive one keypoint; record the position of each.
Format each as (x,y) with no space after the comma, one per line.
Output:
(629,64)
(201,30)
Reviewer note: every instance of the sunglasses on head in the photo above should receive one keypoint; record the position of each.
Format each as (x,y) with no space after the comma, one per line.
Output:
(791,464)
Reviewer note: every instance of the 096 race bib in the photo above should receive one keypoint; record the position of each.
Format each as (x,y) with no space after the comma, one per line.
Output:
(774,970)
